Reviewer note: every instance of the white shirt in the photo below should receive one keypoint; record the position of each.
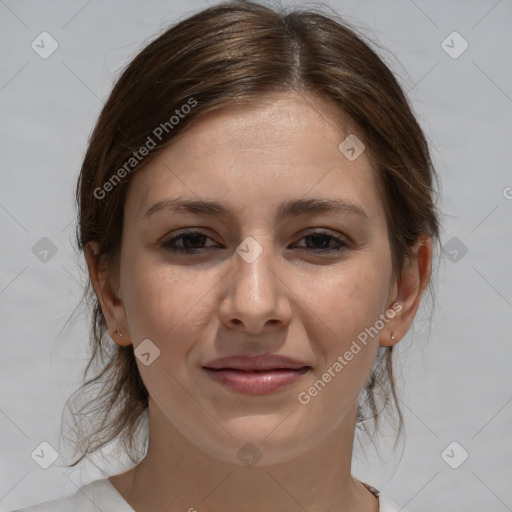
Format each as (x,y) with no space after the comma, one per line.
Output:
(102,495)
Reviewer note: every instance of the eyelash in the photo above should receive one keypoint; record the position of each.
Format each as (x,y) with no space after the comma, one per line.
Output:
(168,246)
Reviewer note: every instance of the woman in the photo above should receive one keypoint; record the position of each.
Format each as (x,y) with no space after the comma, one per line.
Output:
(256,213)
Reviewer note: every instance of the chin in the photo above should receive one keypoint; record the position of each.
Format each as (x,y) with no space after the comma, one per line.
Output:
(258,443)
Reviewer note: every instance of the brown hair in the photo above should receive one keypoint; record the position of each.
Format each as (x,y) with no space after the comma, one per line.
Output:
(239,51)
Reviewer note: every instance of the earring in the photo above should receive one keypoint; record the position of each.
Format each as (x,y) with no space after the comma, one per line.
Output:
(392,336)
(117,331)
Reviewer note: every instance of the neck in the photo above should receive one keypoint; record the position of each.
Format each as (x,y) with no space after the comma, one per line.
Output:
(176,475)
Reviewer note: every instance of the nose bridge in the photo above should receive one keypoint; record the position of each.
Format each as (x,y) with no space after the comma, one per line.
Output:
(255,295)
(253,271)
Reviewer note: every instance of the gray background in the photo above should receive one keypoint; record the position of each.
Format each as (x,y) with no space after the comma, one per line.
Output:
(455,381)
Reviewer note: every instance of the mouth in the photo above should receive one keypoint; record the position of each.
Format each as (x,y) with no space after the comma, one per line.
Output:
(256,375)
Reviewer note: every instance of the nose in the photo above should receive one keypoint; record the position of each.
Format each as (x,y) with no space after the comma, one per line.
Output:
(255,298)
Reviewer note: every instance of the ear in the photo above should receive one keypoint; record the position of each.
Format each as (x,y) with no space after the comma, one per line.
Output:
(408,291)
(111,305)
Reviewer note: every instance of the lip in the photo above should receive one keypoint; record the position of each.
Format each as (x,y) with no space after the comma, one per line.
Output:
(256,375)
(248,363)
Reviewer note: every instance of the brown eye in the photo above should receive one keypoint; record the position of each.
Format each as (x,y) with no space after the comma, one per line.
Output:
(190,242)
(324,243)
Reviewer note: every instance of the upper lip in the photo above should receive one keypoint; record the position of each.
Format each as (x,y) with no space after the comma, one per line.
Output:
(247,363)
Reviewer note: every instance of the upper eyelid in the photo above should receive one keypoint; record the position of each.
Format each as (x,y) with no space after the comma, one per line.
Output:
(186,231)
(204,231)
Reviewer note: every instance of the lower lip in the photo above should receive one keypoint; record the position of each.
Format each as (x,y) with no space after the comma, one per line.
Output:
(256,382)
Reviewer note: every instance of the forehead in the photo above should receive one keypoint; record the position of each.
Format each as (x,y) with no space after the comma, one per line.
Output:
(275,122)
(281,145)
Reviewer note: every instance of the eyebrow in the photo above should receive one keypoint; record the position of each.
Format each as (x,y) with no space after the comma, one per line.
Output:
(292,208)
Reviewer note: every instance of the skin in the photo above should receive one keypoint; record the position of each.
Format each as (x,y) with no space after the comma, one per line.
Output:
(292,300)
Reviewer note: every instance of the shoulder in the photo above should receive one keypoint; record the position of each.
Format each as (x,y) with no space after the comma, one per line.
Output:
(385,503)
(98,495)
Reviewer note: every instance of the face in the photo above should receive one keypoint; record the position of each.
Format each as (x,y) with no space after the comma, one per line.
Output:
(203,282)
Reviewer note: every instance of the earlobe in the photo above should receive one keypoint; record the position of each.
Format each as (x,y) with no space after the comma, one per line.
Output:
(105,295)
(414,279)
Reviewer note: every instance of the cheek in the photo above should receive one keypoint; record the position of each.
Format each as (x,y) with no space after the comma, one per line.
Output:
(350,298)
(349,304)
(348,351)
(164,302)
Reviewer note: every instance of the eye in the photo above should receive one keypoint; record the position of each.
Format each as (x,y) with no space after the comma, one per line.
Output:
(193,242)
(322,242)
(189,242)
